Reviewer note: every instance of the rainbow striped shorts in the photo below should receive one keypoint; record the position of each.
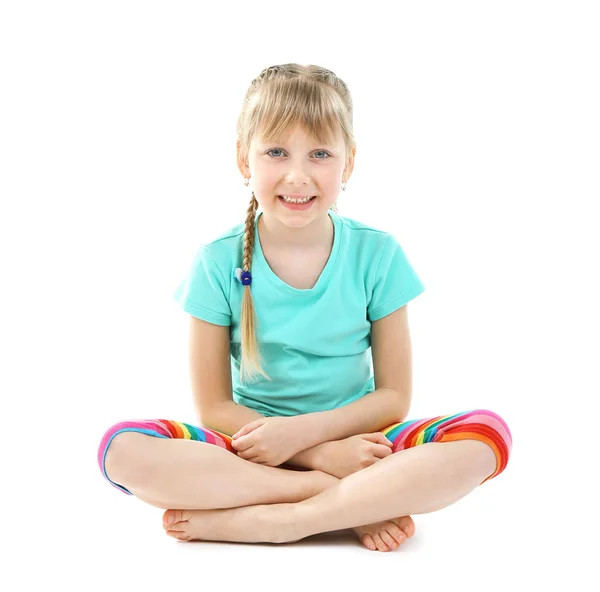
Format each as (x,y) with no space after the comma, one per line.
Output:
(479,424)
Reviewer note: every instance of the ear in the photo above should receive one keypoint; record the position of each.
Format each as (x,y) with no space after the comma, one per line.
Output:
(241,162)
(349,164)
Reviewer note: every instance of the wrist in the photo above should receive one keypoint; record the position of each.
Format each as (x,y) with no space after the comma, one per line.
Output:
(306,459)
(311,426)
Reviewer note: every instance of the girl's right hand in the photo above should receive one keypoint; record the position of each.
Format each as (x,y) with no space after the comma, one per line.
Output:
(341,458)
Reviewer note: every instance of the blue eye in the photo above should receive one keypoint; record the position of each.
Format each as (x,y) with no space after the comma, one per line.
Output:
(280,150)
(324,152)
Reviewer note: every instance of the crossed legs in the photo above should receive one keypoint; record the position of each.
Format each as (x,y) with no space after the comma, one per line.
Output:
(415,481)
(456,454)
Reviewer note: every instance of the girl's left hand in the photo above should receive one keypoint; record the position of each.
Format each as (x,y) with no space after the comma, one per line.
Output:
(270,440)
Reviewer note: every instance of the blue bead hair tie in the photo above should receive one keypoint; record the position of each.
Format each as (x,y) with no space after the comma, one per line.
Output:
(244,277)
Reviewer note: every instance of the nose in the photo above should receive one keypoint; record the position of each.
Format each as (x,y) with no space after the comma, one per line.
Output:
(297,176)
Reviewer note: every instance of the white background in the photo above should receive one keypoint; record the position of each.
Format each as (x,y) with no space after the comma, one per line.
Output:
(478,148)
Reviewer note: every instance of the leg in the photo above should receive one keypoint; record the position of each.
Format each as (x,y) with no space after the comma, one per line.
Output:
(416,481)
(463,451)
(174,465)
(480,424)
(459,453)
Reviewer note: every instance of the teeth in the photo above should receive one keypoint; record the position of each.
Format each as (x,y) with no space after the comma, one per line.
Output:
(290,200)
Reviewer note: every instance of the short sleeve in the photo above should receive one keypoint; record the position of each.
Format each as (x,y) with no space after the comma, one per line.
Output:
(203,293)
(396,282)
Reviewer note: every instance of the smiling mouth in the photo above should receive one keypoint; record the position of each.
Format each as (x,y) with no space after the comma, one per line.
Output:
(303,201)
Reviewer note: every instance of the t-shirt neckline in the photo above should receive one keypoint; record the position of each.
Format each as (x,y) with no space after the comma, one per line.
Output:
(277,282)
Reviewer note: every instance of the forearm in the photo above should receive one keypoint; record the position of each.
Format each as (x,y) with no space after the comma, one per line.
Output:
(306,459)
(229,417)
(376,410)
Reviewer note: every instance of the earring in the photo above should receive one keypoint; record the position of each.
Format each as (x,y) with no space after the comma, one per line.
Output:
(344,186)
(246,181)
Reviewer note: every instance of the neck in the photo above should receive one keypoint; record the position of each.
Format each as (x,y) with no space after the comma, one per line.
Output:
(279,236)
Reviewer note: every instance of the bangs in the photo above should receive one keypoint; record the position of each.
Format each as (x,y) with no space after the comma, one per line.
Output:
(288,102)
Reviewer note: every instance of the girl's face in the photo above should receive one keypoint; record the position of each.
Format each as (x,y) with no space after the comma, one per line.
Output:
(296,164)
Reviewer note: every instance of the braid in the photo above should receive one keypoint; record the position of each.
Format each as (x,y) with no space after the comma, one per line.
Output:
(249,234)
(250,364)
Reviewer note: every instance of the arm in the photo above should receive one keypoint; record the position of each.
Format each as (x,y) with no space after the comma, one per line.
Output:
(366,415)
(228,417)
(374,411)
(370,413)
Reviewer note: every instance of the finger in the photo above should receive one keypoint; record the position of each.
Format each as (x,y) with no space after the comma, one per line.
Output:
(243,431)
(371,437)
(377,437)
(243,444)
(250,427)
(383,440)
(245,449)
(381,451)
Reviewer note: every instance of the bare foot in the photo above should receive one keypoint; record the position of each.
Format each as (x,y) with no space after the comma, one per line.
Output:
(271,524)
(386,535)
(247,524)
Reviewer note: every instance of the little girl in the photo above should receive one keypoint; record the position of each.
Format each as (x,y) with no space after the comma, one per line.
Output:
(287,312)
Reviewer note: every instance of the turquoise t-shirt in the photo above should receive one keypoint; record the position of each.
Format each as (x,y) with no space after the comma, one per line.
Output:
(315,344)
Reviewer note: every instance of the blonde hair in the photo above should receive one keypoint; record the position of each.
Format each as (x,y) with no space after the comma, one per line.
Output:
(279,98)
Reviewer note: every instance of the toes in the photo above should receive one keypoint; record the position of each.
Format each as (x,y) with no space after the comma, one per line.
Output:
(388,539)
(398,535)
(178,535)
(367,541)
(177,527)
(380,544)
(406,524)
(172,517)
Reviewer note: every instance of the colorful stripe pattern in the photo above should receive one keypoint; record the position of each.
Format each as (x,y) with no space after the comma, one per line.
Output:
(161,428)
(479,424)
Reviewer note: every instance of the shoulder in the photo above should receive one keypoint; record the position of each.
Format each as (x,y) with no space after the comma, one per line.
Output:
(356,226)
(226,239)
(225,248)
(215,259)
(366,238)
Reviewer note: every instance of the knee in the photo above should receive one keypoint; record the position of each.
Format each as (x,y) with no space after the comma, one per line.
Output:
(127,459)
(494,431)
(494,424)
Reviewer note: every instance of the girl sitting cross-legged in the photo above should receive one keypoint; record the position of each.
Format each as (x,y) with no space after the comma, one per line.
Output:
(287,310)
